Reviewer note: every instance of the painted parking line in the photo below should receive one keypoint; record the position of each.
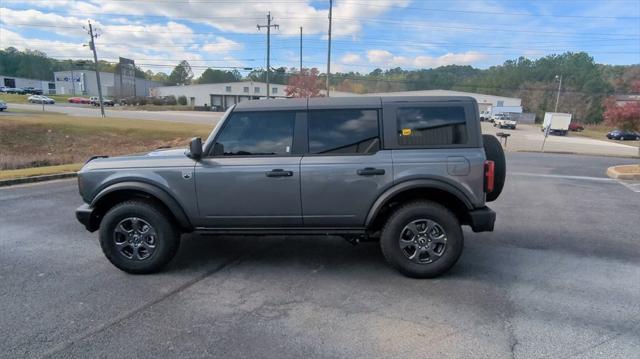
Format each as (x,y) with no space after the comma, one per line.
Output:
(632,185)
(583,178)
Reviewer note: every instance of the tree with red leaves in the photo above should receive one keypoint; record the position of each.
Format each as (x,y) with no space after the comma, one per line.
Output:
(305,84)
(624,117)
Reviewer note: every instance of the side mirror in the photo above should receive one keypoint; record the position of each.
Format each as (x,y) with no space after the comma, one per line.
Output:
(218,149)
(195,148)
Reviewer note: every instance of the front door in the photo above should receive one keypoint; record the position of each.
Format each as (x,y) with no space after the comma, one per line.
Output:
(345,170)
(252,178)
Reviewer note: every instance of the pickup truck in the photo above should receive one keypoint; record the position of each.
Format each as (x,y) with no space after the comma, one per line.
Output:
(501,120)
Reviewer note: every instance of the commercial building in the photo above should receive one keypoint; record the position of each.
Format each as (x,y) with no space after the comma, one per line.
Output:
(484,101)
(221,95)
(84,83)
(47,87)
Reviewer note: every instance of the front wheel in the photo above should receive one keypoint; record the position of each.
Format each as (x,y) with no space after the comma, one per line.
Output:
(138,237)
(422,239)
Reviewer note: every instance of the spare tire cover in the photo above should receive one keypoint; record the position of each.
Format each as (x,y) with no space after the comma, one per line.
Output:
(493,151)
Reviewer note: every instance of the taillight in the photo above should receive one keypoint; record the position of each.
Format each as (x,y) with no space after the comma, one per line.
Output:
(489,176)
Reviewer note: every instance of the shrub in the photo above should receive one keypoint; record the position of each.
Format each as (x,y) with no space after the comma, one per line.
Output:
(157,101)
(182,100)
(170,100)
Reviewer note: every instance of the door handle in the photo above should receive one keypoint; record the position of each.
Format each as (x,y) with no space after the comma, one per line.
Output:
(370,171)
(278,172)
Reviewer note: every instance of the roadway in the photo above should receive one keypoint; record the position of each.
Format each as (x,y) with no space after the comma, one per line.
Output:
(90,111)
(558,278)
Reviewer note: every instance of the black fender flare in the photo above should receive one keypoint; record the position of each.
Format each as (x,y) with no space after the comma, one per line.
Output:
(413,184)
(174,207)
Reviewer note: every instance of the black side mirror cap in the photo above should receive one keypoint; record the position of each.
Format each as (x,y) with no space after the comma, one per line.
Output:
(218,149)
(195,148)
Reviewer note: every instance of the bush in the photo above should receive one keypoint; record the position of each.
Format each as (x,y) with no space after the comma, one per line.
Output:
(182,100)
(141,100)
(170,100)
(157,101)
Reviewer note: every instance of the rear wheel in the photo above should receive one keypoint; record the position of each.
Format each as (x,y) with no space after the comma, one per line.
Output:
(138,237)
(494,152)
(422,239)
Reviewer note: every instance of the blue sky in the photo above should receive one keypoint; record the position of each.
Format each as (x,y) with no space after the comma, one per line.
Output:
(366,34)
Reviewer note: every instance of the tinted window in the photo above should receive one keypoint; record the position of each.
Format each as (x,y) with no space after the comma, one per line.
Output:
(257,133)
(343,131)
(432,126)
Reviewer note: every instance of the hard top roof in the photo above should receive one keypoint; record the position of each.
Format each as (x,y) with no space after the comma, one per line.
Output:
(320,103)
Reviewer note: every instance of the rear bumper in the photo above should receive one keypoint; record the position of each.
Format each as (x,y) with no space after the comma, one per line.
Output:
(87,216)
(482,219)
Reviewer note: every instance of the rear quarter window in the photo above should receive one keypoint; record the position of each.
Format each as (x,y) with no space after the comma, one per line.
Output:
(432,126)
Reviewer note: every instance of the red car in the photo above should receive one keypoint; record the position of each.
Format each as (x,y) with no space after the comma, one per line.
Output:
(575,127)
(79,100)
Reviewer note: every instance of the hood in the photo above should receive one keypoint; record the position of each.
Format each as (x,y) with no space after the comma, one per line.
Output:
(174,157)
(167,152)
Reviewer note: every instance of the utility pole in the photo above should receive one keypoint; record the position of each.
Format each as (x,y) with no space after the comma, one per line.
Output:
(329,47)
(92,46)
(559,88)
(268,26)
(300,49)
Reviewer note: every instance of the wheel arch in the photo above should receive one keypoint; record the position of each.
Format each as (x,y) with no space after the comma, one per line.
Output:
(122,191)
(434,190)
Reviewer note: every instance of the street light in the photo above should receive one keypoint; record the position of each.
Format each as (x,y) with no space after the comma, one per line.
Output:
(558,78)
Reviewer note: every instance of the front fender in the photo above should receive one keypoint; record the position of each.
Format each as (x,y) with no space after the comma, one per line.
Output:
(152,190)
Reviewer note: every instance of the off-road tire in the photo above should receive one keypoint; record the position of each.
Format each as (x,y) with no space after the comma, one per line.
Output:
(167,239)
(494,152)
(395,225)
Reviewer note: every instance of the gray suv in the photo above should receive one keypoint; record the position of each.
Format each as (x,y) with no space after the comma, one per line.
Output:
(406,171)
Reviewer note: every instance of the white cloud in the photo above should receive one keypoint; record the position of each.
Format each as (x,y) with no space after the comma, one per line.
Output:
(351,59)
(386,58)
(221,45)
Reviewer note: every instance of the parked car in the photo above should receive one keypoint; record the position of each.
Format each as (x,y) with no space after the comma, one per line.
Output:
(32,91)
(485,115)
(575,127)
(15,90)
(623,135)
(41,99)
(504,121)
(405,171)
(79,100)
(3,105)
(94,100)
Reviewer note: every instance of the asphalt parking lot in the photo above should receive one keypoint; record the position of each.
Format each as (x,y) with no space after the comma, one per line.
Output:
(558,278)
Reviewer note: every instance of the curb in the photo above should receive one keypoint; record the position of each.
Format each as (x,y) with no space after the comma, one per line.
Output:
(14,181)
(615,172)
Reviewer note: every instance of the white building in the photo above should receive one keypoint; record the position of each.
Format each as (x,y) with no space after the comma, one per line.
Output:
(220,95)
(484,101)
(85,83)
(47,87)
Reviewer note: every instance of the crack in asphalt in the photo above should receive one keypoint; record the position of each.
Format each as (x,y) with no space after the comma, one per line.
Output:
(101,328)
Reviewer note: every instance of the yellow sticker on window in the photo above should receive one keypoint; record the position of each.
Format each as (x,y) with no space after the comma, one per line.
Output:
(406,132)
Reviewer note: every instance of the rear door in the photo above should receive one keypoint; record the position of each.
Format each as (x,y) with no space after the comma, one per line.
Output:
(345,169)
(253,179)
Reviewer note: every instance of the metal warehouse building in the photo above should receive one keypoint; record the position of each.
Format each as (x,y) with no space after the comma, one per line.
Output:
(47,87)
(221,95)
(84,83)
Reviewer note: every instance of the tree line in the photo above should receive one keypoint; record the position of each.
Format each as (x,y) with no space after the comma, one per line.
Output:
(585,83)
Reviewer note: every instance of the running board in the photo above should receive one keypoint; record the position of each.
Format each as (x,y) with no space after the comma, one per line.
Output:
(267,231)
